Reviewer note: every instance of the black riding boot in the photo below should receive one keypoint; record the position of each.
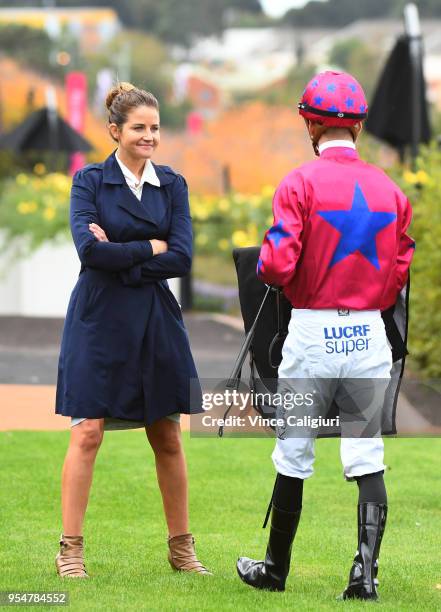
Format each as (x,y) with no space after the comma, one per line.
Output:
(271,573)
(382,528)
(362,577)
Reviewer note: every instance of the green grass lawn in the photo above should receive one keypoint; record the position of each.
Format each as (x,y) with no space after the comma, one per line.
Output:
(230,483)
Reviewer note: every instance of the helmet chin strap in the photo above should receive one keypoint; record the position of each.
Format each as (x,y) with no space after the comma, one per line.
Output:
(317,133)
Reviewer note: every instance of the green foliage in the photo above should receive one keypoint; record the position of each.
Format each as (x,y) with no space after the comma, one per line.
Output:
(34,207)
(176,21)
(148,59)
(174,116)
(341,53)
(234,220)
(148,67)
(244,19)
(287,92)
(10,164)
(423,188)
(30,46)
(214,268)
(338,13)
(355,57)
(179,22)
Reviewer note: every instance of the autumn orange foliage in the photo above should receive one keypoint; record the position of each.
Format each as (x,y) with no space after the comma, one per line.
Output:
(16,82)
(260,144)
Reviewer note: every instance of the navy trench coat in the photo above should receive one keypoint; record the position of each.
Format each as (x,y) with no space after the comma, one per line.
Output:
(125,352)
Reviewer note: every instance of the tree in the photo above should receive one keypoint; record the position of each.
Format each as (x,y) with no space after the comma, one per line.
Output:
(29,46)
(179,22)
(355,57)
(176,21)
(338,13)
(251,6)
(148,69)
(147,60)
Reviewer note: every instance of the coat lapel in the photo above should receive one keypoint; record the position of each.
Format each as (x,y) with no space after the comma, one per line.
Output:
(139,209)
(125,199)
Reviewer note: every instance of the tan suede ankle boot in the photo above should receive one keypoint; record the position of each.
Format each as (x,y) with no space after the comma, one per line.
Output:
(182,556)
(69,561)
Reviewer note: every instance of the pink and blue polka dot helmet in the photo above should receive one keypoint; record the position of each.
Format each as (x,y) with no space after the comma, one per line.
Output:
(334,99)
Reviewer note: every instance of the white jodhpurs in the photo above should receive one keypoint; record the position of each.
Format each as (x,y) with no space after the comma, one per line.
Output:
(340,347)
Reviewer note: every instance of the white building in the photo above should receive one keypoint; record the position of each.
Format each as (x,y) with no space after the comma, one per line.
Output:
(246,59)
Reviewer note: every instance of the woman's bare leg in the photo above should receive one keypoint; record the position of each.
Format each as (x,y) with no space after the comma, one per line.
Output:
(85,440)
(165,439)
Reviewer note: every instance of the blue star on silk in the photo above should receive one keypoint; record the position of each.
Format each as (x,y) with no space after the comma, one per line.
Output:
(359,227)
(276,233)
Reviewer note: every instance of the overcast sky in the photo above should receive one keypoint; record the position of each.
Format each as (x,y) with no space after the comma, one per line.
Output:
(276,8)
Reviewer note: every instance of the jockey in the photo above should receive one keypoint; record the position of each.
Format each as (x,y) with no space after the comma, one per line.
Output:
(338,247)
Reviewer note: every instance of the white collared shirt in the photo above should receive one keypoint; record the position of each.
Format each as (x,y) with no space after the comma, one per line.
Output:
(336,143)
(148,176)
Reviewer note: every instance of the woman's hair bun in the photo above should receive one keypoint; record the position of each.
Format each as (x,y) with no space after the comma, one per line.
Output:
(116,90)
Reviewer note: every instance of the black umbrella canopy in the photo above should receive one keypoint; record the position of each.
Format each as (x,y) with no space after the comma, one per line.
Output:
(44,130)
(392,112)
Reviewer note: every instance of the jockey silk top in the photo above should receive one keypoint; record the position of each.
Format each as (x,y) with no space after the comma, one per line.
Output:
(338,238)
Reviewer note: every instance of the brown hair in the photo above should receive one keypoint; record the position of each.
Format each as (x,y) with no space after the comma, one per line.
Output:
(122,97)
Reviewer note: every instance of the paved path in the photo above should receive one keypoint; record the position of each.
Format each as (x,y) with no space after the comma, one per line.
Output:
(29,355)
(28,367)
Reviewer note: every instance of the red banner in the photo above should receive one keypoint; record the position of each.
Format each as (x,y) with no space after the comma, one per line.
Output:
(195,123)
(76,91)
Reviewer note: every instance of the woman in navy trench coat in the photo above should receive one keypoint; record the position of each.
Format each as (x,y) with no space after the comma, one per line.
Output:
(125,358)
